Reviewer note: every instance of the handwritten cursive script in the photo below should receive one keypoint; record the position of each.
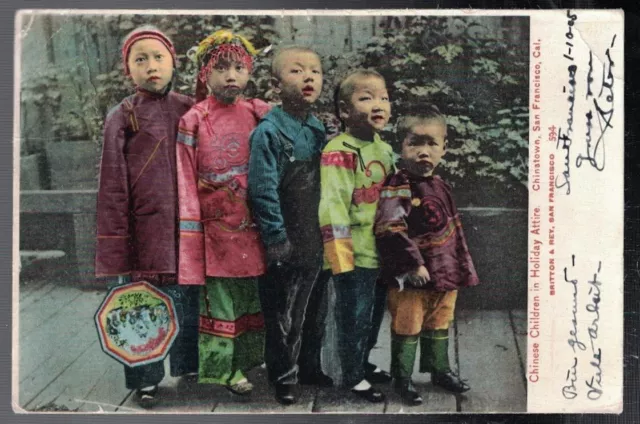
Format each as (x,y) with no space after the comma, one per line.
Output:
(603,104)
(593,308)
(594,380)
(573,341)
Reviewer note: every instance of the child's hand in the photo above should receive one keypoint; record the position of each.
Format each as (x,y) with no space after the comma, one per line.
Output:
(279,252)
(420,277)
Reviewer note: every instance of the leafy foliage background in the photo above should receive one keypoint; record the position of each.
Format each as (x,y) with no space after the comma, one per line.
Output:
(479,81)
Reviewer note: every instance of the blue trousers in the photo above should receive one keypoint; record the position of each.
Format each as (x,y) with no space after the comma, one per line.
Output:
(183,356)
(359,311)
(294,306)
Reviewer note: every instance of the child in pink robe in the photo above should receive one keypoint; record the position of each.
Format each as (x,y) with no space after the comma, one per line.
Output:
(220,247)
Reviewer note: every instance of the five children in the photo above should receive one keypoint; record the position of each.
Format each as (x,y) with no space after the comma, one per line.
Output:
(251,211)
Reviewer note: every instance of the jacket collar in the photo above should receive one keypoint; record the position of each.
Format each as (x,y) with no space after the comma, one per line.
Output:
(291,126)
(149,94)
(363,143)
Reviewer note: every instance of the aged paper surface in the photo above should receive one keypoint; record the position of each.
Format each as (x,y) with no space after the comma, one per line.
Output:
(575,237)
(534,106)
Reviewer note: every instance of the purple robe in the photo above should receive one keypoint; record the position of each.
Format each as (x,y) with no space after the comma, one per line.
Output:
(137,200)
(416,224)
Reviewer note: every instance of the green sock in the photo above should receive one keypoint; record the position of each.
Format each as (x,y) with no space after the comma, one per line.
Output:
(434,351)
(403,355)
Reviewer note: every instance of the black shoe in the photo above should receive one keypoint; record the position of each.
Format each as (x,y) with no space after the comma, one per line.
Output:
(372,394)
(407,391)
(146,397)
(287,394)
(378,377)
(318,379)
(449,381)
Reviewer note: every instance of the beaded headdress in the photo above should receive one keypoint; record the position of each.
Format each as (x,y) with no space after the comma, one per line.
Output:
(221,45)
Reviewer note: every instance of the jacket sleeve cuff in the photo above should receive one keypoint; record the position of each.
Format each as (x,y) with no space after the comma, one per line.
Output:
(276,238)
(339,254)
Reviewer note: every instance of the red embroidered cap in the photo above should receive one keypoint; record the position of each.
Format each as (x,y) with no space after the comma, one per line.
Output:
(143,33)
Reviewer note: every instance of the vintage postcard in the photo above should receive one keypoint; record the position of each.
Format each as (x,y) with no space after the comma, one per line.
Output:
(390,211)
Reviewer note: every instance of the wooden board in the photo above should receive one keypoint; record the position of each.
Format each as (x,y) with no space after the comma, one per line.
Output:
(284,27)
(29,285)
(58,335)
(489,360)
(303,30)
(178,395)
(70,389)
(53,347)
(107,392)
(342,400)
(29,298)
(263,398)
(362,31)
(47,309)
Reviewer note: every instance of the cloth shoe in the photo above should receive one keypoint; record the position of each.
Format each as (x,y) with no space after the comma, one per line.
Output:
(241,388)
(287,394)
(377,377)
(448,380)
(406,389)
(146,396)
(371,394)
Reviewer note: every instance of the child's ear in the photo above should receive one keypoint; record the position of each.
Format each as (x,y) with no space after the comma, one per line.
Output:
(344,112)
(275,83)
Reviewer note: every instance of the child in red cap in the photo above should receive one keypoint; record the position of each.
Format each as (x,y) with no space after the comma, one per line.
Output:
(137,197)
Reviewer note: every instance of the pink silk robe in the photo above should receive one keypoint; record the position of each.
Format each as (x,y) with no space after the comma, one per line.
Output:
(218,237)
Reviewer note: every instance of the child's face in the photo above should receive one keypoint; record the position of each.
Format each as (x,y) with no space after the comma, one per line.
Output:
(300,78)
(150,65)
(369,109)
(424,146)
(227,80)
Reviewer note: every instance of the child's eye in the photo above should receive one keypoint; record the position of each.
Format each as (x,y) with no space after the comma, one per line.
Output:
(140,59)
(159,57)
(296,71)
(385,98)
(315,71)
(240,68)
(364,98)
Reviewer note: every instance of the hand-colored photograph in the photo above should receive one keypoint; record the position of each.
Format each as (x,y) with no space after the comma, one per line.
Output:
(307,213)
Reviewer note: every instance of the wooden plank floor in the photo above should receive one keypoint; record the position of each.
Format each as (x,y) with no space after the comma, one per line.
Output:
(62,367)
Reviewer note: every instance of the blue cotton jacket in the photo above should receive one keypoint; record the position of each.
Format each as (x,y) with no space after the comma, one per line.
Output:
(278,140)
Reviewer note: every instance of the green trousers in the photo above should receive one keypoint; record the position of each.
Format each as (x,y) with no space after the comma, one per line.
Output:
(434,352)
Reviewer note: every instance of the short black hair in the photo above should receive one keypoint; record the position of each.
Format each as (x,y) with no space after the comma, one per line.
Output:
(419,112)
(277,58)
(347,86)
